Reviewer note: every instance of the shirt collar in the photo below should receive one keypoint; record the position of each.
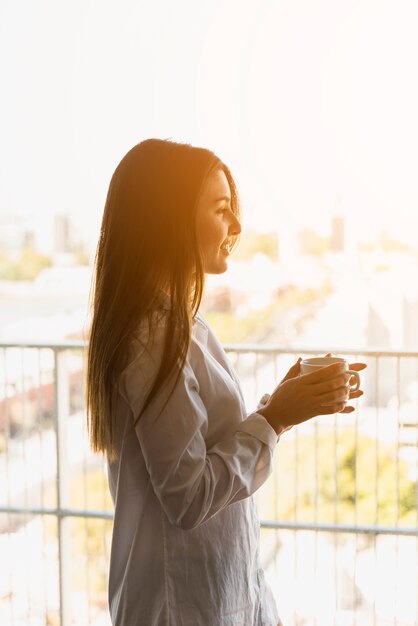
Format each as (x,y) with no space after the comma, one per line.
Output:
(200,329)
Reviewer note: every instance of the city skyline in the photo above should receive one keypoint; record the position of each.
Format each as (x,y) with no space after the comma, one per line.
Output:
(57,231)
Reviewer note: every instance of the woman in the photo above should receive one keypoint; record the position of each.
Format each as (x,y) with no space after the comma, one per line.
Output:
(164,404)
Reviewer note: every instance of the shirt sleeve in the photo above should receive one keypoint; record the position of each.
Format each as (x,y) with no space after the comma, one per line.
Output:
(193,482)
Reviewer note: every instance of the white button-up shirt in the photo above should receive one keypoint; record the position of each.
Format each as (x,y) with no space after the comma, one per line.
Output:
(186,531)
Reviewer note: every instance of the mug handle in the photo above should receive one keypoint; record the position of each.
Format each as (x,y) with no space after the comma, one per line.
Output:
(357,383)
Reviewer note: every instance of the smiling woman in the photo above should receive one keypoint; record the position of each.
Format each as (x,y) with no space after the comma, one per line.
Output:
(217,223)
(165,404)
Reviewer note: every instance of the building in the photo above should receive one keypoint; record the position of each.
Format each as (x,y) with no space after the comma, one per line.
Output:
(337,239)
(62,234)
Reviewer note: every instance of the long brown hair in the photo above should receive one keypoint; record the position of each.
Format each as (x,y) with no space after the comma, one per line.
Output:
(147,246)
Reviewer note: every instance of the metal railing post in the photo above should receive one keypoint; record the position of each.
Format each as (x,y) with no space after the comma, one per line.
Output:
(62,411)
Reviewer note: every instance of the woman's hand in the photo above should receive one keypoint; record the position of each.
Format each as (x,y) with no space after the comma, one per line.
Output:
(299,397)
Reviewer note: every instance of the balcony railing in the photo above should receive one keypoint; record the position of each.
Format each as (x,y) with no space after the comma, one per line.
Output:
(339,529)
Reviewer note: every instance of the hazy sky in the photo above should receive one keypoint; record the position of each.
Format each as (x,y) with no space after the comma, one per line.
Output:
(312,103)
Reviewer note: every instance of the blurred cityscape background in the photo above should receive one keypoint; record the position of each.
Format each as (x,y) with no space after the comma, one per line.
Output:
(327,288)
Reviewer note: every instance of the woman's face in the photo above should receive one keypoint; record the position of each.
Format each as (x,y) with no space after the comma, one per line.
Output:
(215,223)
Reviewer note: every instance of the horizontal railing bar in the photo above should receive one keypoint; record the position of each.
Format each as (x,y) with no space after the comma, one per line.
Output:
(72,344)
(267,524)
(106,515)
(63,344)
(341,528)
(280,349)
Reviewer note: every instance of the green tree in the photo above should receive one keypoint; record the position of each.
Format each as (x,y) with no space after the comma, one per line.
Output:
(252,243)
(26,267)
(341,477)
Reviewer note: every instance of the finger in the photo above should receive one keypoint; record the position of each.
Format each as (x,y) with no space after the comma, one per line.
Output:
(294,370)
(321,410)
(335,397)
(356,394)
(340,407)
(340,382)
(330,410)
(325,373)
(357,366)
(348,409)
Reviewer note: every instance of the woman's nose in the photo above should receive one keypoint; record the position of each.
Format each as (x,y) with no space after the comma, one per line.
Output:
(235,226)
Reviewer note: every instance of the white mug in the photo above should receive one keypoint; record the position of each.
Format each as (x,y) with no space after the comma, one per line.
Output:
(315,363)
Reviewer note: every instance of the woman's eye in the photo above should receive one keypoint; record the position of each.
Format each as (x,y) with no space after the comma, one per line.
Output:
(222,211)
